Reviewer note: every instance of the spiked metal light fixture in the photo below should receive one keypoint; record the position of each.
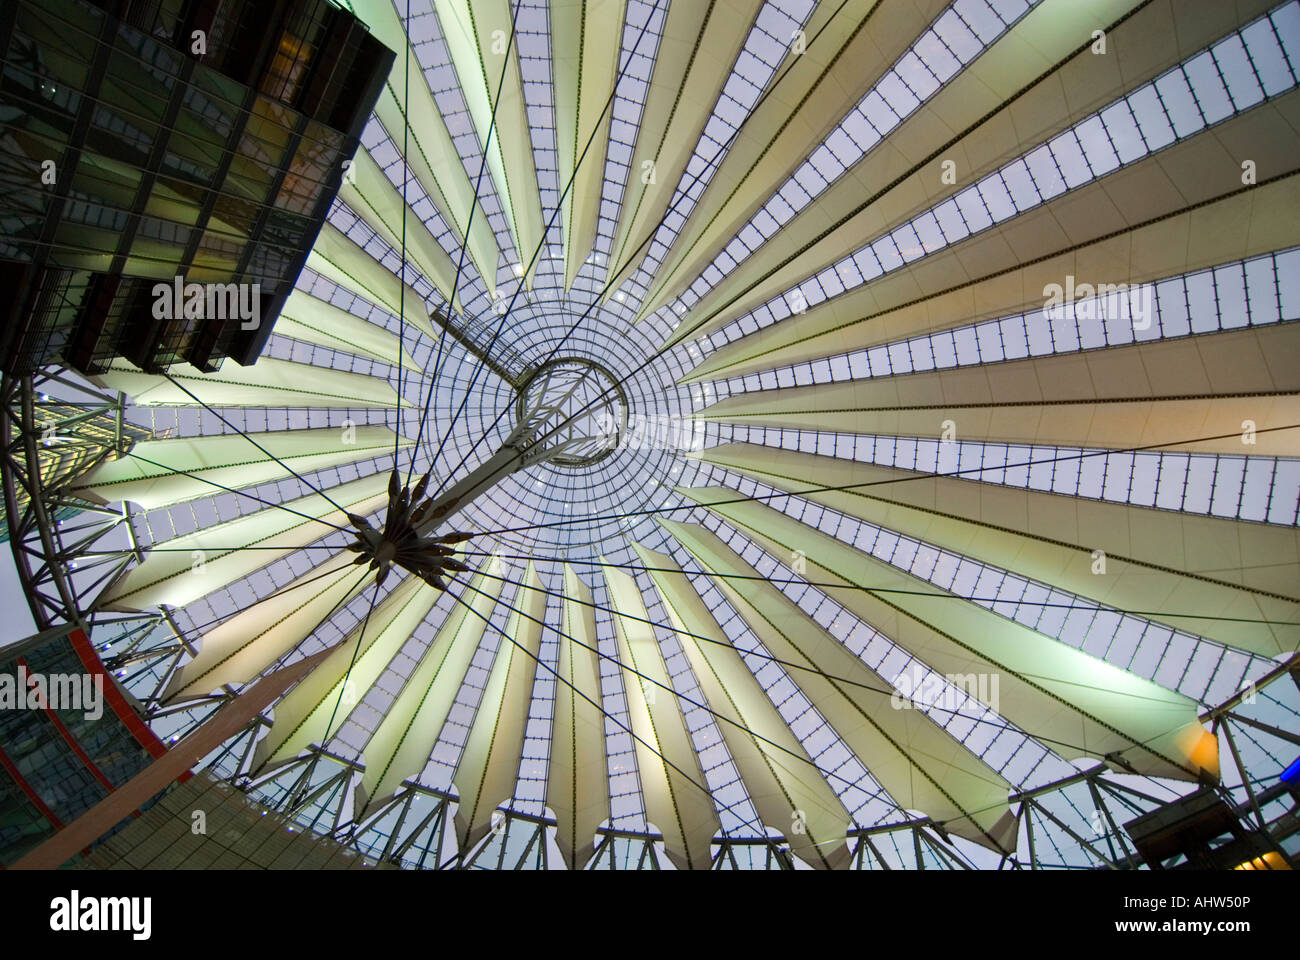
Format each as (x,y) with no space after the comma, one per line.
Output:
(401,543)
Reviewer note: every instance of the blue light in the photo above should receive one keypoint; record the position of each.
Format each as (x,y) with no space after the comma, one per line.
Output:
(1292,773)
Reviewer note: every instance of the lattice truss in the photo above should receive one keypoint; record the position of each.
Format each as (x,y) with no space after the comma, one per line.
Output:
(952,515)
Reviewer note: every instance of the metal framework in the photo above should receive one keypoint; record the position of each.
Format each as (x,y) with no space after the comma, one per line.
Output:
(413,828)
(825,375)
(62,563)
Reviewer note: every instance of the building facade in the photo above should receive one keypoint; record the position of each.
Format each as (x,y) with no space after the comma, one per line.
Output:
(165,168)
(70,736)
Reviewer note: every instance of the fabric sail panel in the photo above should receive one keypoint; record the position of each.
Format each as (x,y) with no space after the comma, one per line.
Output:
(162,473)
(317,321)
(698,48)
(812,87)
(372,196)
(342,262)
(1051,538)
(489,763)
(1190,394)
(585,62)
(239,648)
(898,305)
(1082,705)
(998,99)
(677,799)
(399,749)
(779,775)
(187,567)
(334,688)
(577,788)
(270,382)
(474,32)
(917,762)
(410,111)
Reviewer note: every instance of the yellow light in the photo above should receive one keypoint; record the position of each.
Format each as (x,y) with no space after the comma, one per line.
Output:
(1201,749)
(1269,861)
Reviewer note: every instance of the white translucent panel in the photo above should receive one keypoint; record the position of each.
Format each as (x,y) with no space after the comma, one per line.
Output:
(879,113)
(993,190)
(967,345)
(1038,331)
(859,129)
(1092,334)
(950,221)
(1070,159)
(867,263)
(1123,132)
(1282,509)
(1200,296)
(916,75)
(927,228)
(1227,485)
(1151,119)
(897,94)
(817,171)
(830,281)
(1267,57)
(1020,181)
(1230,296)
(1288,280)
(1096,146)
(958,37)
(1243,85)
(1009,10)
(1065,333)
(936,55)
(981,18)
(845,150)
(909,244)
(1179,103)
(1171,296)
(1211,95)
(1255,489)
(848,271)
(1286,21)
(887,253)
(972,208)
(1261,288)
(989,338)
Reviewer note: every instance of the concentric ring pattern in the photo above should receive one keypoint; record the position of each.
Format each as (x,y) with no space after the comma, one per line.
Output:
(959,356)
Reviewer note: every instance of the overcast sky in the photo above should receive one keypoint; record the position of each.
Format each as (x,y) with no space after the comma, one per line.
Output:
(15,616)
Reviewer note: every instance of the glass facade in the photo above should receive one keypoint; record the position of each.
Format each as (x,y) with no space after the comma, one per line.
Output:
(202,141)
(56,763)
